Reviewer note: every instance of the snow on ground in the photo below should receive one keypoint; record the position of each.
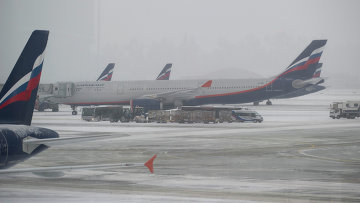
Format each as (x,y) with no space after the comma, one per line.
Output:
(297,154)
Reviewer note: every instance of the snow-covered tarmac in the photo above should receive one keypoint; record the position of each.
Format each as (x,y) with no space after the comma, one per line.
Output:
(297,154)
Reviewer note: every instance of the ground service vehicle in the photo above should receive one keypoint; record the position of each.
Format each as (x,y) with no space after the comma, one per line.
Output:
(159,116)
(348,109)
(106,113)
(221,113)
(190,114)
(245,115)
(41,105)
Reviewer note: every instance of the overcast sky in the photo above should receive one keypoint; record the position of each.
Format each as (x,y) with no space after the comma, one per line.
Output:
(202,38)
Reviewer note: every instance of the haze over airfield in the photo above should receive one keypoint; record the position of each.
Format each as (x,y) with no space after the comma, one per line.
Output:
(202,38)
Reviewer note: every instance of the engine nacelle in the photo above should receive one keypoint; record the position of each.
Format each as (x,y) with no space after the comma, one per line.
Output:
(302,83)
(63,89)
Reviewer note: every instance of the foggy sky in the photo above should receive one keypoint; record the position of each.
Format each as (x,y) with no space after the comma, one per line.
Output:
(202,38)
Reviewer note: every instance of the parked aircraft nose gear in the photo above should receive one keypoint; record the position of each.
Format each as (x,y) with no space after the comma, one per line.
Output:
(74,112)
(268,102)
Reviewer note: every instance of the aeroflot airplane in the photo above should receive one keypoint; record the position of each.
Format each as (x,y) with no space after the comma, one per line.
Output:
(298,75)
(18,140)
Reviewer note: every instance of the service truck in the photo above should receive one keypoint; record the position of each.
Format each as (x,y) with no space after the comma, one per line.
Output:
(347,109)
(246,115)
(106,113)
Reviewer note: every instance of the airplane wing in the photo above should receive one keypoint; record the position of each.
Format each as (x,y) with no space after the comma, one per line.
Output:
(30,144)
(149,164)
(183,94)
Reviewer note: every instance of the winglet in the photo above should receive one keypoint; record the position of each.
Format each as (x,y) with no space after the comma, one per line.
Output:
(150,164)
(207,84)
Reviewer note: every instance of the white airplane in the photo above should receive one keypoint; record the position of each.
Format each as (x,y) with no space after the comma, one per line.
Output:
(20,141)
(154,94)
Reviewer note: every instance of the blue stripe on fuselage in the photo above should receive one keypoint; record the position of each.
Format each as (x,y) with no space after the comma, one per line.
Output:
(279,87)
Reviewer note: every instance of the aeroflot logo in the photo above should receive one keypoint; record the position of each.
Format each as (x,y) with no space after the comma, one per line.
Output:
(21,91)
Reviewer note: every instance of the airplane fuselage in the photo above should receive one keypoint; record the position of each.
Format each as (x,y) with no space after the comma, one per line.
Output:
(220,92)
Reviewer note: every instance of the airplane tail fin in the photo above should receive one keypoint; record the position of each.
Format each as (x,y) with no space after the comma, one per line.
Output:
(106,75)
(165,73)
(150,164)
(305,65)
(17,97)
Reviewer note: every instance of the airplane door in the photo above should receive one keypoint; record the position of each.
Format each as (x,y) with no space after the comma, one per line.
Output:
(120,89)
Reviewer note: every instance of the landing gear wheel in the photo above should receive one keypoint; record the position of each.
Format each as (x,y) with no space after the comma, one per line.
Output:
(41,108)
(74,113)
(256,103)
(268,102)
(55,109)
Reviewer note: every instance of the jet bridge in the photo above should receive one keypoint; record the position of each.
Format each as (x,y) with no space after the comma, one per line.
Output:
(63,89)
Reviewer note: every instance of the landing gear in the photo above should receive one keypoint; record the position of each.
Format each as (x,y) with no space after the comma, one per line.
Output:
(74,112)
(55,108)
(161,105)
(268,102)
(256,103)
(178,104)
